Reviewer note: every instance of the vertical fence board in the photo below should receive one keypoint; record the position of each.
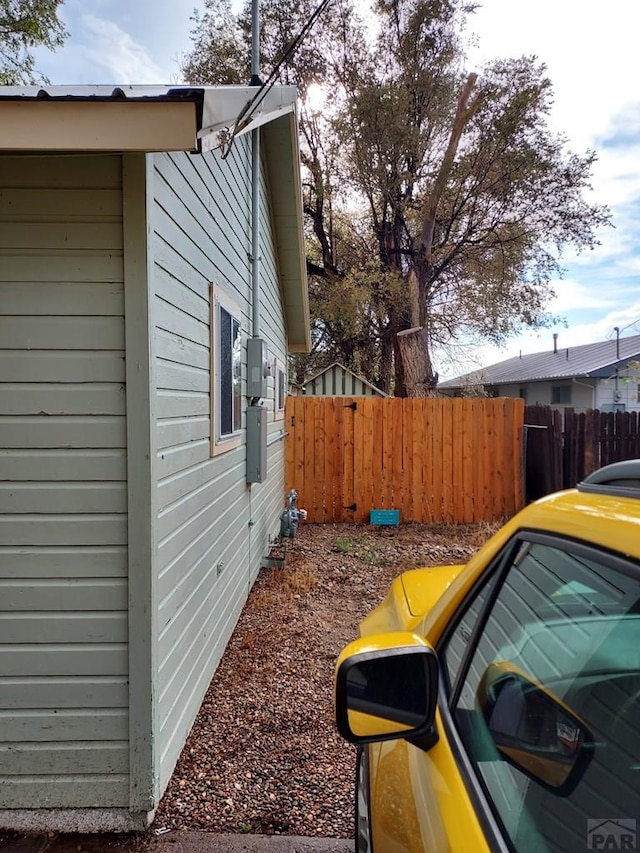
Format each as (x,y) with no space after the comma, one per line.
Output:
(490,460)
(319,452)
(369,459)
(349,461)
(457,485)
(477,461)
(517,430)
(447,464)
(407,448)
(289,445)
(428,463)
(387,453)
(398,471)
(503,476)
(329,460)
(510,433)
(468,474)
(437,505)
(417,462)
(377,466)
(309,461)
(299,444)
(358,462)
(339,461)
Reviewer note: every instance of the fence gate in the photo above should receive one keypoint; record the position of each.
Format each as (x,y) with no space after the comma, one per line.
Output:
(436,460)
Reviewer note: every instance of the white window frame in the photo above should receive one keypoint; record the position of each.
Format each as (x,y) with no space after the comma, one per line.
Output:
(278,401)
(221,443)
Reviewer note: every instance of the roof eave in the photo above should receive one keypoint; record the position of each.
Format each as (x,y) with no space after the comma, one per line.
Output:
(152,119)
(77,125)
(283,164)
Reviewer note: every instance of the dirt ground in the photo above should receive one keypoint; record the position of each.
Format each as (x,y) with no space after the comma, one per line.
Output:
(263,755)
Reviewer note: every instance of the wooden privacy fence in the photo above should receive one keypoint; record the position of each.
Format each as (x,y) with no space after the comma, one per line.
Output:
(436,460)
(562,448)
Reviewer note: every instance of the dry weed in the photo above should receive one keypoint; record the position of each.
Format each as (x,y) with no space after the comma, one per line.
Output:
(299,579)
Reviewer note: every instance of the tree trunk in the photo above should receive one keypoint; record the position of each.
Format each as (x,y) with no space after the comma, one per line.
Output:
(419,377)
(420,380)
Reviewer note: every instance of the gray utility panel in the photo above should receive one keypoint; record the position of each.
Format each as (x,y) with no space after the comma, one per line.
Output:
(256,444)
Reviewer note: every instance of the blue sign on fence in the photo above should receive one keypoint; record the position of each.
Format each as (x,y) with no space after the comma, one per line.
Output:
(384,516)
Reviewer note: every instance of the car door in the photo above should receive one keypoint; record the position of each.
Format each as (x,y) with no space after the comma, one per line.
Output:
(552,631)
(564,621)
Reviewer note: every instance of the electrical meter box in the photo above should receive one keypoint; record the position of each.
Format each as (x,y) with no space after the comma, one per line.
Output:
(258,367)
(256,444)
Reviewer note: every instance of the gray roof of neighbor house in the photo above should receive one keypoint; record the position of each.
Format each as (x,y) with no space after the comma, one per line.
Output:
(596,360)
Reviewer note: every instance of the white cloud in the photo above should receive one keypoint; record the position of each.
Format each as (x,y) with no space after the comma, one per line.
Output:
(590,55)
(467,357)
(125,60)
(570,293)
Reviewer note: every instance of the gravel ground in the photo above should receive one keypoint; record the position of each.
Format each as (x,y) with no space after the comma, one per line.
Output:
(263,755)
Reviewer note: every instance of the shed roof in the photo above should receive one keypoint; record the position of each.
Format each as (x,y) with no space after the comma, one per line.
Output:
(177,118)
(587,360)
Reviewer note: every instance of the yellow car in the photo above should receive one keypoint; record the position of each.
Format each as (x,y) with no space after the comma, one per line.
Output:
(496,706)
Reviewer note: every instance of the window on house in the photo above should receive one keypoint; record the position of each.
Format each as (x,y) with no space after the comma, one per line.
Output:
(281,389)
(226,394)
(560,394)
(522,393)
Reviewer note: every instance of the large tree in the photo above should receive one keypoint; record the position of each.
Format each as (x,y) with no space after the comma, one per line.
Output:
(438,201)
(25,24)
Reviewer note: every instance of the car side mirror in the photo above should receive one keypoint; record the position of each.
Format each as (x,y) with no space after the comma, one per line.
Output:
(386,688)
(533,729)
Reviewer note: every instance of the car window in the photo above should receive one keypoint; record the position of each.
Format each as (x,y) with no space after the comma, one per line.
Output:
(548,706)
(452,655)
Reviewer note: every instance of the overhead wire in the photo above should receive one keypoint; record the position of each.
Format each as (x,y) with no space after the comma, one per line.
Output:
(245,115)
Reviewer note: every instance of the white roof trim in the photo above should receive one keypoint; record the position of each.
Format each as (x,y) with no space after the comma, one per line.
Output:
(220,106)
(223,105)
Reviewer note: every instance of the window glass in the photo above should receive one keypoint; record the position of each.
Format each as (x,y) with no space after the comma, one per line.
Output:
(561,394)
(281,391)
(229,373)
(453,653)
(549,708)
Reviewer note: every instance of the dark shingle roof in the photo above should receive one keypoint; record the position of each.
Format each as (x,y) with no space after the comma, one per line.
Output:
(599,359)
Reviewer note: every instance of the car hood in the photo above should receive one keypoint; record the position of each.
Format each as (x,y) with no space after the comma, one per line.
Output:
(423,587)
(409,599)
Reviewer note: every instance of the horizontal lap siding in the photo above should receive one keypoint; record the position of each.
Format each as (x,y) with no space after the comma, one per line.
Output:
(63,507)
(208,553)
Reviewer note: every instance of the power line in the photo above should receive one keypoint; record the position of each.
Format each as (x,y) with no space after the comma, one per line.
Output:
(249,109)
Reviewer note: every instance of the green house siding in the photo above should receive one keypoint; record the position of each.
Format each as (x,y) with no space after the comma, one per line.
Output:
(63,494)
(212,529)
(126,549)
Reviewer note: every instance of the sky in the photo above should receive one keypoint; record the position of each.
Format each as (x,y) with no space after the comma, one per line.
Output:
(590,52)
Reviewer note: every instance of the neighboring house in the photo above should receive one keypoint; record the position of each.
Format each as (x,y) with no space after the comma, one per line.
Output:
(338,381)
(135,511)
(604,376)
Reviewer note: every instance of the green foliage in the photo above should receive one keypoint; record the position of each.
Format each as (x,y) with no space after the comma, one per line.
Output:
(344,545)
(221,52)
(25,24)
(397,234)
